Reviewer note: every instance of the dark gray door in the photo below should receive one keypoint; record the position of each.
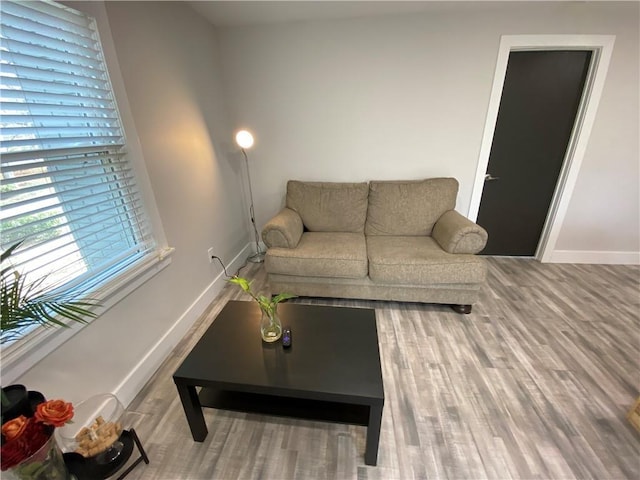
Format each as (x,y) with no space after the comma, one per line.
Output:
(540,99)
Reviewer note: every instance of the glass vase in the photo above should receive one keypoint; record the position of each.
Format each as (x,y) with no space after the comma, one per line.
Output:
(47,463)
(270,326)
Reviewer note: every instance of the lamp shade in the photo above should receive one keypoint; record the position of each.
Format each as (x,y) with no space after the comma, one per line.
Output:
(244,139)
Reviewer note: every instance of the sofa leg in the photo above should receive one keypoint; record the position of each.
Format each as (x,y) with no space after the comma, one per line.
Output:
(466,309)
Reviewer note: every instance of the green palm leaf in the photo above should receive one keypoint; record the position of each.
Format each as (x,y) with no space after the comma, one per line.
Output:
(25,303)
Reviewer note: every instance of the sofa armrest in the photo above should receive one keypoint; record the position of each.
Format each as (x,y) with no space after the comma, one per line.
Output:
(457,234)
(283,230)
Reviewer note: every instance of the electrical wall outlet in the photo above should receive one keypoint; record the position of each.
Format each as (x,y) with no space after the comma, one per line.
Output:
(210,254)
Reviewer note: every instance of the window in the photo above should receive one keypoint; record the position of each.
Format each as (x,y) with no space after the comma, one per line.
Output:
(68,188)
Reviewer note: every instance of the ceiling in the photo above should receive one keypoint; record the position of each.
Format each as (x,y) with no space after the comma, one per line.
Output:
(235,13)
(241,13)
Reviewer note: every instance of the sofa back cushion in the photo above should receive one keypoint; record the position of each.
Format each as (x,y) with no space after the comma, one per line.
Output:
(409,207)
(329,207)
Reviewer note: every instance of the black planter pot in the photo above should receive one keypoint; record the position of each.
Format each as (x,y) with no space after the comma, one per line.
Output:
(15,402)
(19,401)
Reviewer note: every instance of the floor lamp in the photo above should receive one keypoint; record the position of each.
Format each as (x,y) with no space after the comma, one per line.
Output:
(244,139)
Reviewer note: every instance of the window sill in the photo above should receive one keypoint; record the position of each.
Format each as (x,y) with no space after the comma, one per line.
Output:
(20,356)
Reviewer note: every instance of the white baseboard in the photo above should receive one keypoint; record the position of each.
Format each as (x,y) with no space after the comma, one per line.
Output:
(595,257)
(146,367)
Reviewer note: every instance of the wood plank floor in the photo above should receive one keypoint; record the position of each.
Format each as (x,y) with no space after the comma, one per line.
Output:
(534,384)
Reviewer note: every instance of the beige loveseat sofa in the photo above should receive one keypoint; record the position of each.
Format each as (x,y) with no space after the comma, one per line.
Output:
(382,240)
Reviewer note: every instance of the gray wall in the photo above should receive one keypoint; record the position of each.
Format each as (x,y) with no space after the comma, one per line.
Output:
(406,96)
(389,97)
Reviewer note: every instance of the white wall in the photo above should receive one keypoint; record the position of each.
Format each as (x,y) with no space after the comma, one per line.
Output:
(406,97)
(167,57)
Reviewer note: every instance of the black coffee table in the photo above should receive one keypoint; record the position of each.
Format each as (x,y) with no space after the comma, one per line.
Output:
(331,372)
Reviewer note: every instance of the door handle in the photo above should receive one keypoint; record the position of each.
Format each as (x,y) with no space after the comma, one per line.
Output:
(488,177)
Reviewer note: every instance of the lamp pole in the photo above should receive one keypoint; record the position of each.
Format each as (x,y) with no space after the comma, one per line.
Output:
(258,257)
(244,139)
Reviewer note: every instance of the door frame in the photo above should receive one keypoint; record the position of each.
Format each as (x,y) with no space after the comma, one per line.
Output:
(601,47)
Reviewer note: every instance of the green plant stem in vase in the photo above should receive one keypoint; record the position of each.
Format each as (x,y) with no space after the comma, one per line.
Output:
(270,325)
(45,464)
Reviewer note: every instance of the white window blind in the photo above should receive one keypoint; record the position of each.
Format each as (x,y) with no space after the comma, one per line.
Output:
(67,188)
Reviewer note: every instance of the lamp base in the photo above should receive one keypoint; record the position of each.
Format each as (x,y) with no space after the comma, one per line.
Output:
(256,258)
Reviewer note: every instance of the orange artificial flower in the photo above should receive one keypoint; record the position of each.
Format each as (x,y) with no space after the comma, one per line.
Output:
(54,412)
(14,428)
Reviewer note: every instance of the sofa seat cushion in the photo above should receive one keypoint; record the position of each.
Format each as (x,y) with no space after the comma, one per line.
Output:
(409,207)
(321,254)
(329,206)
(414,260)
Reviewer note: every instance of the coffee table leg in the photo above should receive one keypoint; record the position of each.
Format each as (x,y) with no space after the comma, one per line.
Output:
(373,435)
(193,411)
